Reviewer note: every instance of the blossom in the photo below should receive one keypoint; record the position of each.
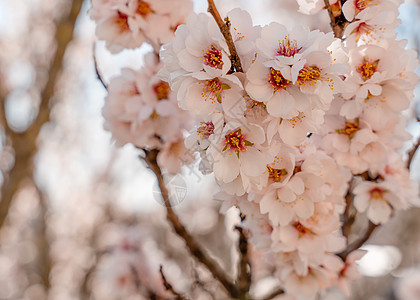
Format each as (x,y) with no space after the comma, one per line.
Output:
(377,198)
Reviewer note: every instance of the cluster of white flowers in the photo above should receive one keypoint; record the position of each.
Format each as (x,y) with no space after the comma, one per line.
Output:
(365,129)
(126,24)
(141,109)
(284,137)
(308,120)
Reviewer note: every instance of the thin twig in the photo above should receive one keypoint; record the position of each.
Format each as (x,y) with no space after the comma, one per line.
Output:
(191,243)
(412,153)
(225,30)
(169,286)
(24,143)
(359,242)
(338,21)
(274,294)
(244,266)
(98,73)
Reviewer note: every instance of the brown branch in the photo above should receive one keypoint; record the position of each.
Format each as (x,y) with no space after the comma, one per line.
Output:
(244,266)
(412,153)
(24,143)
(225,30)
(274,294)
(359,242)
(169,287)
(338,21)
(348,219)
(191,243)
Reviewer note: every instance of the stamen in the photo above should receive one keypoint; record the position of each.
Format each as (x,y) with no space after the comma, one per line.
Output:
(213,57)
(205,130)
(276,174)
(143,8)
(288,47)
(308,75)
(367,68)
(277,81)
(161,90)
(350,128)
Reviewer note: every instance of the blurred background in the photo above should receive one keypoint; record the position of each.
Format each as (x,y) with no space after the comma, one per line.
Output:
(80,218)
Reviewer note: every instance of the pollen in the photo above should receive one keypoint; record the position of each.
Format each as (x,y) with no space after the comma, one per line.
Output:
(205,130)
(362,4)
(122,21)
(235,141)
(302,229)
(350,128)
(255,108)
(377,193)
(213,90)
(143,8)
(276,174)
(288,47)
(309,75)
(367,68)
(277,81)
(213,57)
(161,90)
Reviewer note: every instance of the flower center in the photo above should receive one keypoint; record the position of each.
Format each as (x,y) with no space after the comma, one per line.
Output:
(161,90)
(205,130)
(213,89)
(236,142)
(376,193)
(302,229)
(276,174)
(277,80)
(367,68)
(308,75)
(288,47)
(350,129)
(143,8)
(213,57)
(122,21)
(362,4)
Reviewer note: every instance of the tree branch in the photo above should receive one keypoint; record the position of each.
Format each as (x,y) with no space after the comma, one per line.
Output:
(24,143)
(244,266)
(225,30)
(191,243)
(348,219)
(274,294)
(169,287)
(412,153)
(338,21)
(359,242)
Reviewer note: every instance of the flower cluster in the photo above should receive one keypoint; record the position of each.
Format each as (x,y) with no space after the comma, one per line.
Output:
(365,128)
(285,137)
(126,24)
(140,108)
(252,130)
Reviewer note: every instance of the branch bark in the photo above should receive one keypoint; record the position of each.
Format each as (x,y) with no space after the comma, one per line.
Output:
(412,153)
(244,266)
(24,143)
(359,242)
(225,30)
(338,21)
(181,231)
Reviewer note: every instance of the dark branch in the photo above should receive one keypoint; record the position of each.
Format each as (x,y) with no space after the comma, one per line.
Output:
(359,242)
(412,153)
(191,243)
(244,265)
(338,21)
(98,73)
(274,294)
(225,30)
(169,287)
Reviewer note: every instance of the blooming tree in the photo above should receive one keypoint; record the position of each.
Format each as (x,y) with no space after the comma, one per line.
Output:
(302,129)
